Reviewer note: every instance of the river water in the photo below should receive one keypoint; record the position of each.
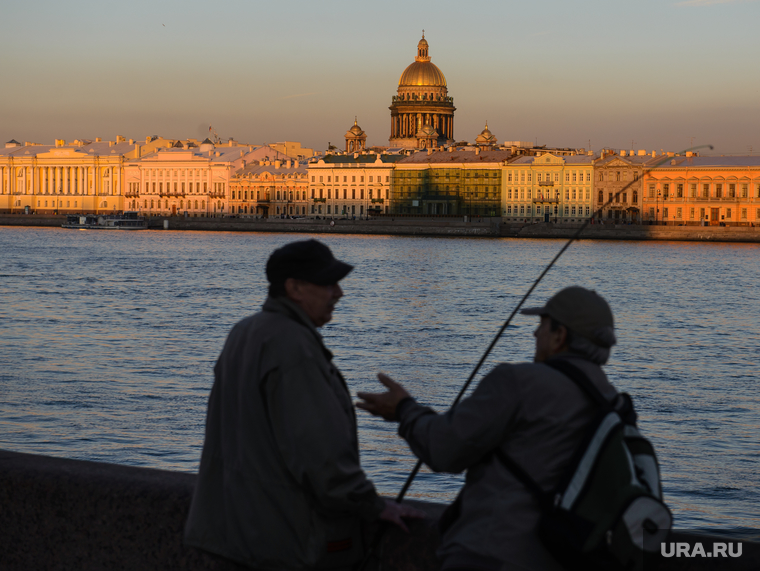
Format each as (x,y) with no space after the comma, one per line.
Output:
(108,340)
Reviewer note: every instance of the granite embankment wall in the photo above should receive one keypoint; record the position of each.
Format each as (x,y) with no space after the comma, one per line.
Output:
(59,514)
(482,227)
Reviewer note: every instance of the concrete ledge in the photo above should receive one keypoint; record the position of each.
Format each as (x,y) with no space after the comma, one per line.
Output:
(59,514)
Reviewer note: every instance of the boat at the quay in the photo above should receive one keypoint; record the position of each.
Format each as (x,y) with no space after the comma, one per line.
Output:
(125,221)
(117,367)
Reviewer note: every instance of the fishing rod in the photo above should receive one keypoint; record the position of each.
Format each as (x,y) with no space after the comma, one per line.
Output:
(545,271)
(506,324)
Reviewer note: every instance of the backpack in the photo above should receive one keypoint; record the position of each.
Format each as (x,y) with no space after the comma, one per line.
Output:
(607,510)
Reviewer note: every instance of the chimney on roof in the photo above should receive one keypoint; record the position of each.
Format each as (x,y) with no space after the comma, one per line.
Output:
(642,152)
(654,154)
(110,143)
(689,154)
(137,151)
(98,140)
(451,149)
(622,153)
(290,164)
(147,140)
(131,141)
(430,151)
(120,139)
(277,164)
(59,142)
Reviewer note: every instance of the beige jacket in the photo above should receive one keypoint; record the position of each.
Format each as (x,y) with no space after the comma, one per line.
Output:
(280,485)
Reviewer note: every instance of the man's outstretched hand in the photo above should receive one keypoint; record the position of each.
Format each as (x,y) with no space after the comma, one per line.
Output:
(383,404)
(393,513)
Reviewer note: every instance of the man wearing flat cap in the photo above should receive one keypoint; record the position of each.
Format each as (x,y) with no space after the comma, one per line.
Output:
(532,413)
(280,485)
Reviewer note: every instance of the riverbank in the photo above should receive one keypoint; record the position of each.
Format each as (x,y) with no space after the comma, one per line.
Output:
(441,227)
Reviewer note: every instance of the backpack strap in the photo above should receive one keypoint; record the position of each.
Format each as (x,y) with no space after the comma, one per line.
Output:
(584,383)
(519,472)
(580,379)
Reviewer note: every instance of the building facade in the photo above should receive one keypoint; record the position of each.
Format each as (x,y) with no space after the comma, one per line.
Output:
(449,183)
(356,185)
(83,176)
(422,113)
(269,188)
(192,181)
(618,181)
(547,188)
(693,190)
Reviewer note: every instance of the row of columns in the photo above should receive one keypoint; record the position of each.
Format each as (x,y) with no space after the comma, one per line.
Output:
(54,180)
(406,125)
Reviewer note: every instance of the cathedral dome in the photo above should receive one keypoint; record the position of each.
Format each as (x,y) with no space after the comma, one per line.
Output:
(422,72)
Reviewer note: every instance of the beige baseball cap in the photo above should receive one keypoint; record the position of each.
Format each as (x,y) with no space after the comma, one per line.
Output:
(583,311)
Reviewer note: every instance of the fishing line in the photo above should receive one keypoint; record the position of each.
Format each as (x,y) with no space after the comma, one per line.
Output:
(545,271)
(482,360)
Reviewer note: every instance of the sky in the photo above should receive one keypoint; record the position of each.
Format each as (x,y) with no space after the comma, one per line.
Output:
(662,74)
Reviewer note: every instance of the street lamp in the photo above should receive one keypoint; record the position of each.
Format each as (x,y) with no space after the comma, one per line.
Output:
(657,214)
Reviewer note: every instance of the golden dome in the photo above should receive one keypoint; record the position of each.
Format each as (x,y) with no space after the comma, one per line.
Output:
(422,72)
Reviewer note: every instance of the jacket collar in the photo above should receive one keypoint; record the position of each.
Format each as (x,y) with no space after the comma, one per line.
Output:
(291,310)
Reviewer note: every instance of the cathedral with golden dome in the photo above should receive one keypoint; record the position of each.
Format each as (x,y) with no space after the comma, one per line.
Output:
(422,113)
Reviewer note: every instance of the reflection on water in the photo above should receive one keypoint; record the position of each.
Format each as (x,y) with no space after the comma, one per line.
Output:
(109,339)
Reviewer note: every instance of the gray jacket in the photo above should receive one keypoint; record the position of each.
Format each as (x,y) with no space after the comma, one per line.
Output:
(535,415)
(280,485)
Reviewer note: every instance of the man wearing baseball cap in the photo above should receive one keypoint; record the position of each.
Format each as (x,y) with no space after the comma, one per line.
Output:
(280,485)
(531,412)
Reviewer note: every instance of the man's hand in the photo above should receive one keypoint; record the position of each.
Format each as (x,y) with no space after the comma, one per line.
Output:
(393,513)
(383,404)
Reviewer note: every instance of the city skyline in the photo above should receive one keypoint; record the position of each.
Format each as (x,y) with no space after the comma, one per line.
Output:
(648,75)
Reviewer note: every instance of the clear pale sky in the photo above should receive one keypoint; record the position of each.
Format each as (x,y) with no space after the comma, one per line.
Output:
(561,73)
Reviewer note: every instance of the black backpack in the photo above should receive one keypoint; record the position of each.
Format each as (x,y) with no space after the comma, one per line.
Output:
(607,510)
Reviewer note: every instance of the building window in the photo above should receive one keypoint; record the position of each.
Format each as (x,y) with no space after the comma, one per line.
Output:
(691,214)
(732,191)
(651,191)
(728,213)
(679,191)
(665,190)
(693,191)
(600,198)
(719,191)
(705,191)
(664,213)
(744,213)
(635,197)
(745,191)
(678,213)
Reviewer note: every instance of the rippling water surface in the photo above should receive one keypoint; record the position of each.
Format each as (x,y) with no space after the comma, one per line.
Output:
(108,339)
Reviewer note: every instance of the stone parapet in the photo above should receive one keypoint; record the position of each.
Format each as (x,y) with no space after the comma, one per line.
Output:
(59,514)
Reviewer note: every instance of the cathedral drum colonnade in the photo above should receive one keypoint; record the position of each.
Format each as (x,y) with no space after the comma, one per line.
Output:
(422,113)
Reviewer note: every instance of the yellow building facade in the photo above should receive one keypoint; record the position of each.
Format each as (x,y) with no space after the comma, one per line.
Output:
(64,178)
(548,188)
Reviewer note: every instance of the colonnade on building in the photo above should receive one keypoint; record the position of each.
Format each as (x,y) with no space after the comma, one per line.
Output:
(406,125)
(81,180)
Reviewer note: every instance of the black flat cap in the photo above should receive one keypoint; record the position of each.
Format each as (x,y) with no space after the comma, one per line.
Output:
(307,260)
